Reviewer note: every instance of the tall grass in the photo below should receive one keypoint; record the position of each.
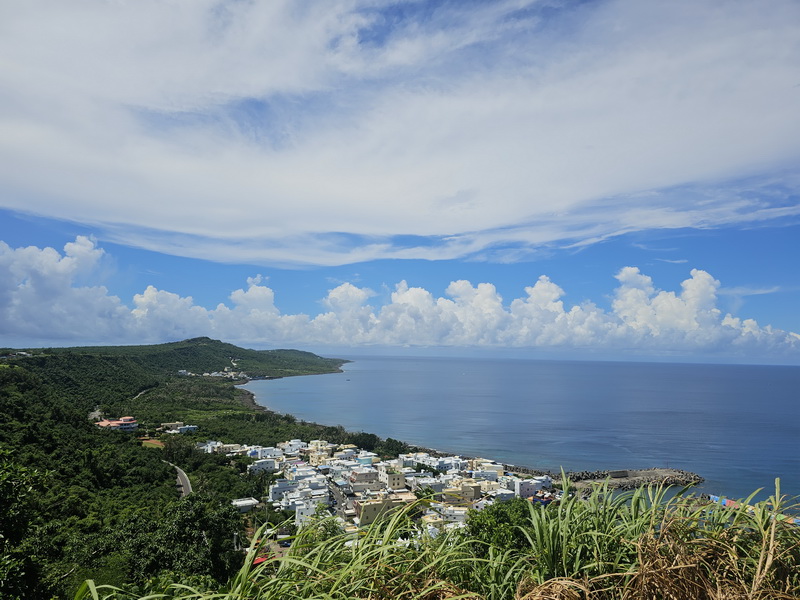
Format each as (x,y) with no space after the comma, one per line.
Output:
(638,545)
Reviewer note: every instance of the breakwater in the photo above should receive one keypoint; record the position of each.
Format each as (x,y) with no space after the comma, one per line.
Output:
(620,479)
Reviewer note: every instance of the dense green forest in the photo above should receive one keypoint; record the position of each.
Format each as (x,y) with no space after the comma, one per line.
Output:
(80,502)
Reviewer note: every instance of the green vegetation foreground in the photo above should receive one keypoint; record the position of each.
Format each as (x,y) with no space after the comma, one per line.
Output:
(78,502)
(635,546)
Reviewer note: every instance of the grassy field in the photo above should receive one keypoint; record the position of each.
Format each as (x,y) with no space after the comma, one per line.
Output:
(152,444)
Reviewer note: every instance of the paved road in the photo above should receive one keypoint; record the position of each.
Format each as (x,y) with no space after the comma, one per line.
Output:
(183,482)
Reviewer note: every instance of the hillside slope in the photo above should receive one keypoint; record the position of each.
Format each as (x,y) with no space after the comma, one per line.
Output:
(202,355)
(79,502)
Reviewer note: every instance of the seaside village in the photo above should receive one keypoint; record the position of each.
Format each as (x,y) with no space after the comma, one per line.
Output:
(359,488)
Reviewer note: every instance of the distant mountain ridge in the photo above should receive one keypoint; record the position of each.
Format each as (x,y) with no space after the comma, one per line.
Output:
(203,355)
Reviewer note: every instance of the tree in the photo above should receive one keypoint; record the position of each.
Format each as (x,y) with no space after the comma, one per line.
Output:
(501,525)
(194,535)
(365,441)
(178,450)
(18,486)
(393,447)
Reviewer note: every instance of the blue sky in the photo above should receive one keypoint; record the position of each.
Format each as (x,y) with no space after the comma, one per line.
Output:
(330,175)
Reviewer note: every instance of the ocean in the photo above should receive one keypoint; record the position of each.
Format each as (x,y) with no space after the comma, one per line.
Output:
(737,426)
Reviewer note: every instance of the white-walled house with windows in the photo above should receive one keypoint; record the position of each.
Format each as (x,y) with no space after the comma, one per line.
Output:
(264,465)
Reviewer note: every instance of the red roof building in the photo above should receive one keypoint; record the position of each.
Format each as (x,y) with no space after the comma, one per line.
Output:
(122,424)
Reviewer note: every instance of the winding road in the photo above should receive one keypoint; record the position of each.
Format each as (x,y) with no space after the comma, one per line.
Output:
(182,482)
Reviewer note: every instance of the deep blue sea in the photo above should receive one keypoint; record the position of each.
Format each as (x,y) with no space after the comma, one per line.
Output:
(737,426)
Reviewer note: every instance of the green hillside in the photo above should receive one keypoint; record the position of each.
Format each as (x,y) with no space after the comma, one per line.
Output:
(78,502)
(202,355)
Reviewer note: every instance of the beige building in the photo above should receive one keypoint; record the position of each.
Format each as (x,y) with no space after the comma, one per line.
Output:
(174,425)
(393,480)
(484,464)
(438,515)
(373,508)
(462,494)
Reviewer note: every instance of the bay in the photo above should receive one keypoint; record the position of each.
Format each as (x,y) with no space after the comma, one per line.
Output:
(736,425)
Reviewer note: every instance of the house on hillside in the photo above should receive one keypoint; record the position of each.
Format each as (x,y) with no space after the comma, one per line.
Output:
(245,504)
(264,465)
(121,424)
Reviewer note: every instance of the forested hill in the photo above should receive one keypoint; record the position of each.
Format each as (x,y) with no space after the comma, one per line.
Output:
(202,355)
(79,502)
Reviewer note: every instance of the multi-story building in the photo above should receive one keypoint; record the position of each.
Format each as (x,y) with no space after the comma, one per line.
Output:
(264,465)
(292,446)
(524,488)
(462,494)
(393,480)
(369,508)
(121,424)
(261,452)
(440,514)
(281,487)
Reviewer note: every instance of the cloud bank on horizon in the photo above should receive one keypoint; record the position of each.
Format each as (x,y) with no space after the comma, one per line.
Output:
(47,295)
(335,132)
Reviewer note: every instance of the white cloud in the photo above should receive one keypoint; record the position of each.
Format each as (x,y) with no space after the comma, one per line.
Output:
(261,132)
(674,261)
(41,299)
(748,291)
(737,294)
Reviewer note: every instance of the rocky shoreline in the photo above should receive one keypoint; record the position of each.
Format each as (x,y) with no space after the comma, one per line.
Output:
(248,398)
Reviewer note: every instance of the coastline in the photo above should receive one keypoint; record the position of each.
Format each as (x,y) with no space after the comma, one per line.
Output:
(620,479)
(248,398)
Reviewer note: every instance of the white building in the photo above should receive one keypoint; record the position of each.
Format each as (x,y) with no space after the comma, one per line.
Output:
(345,453)
(292,446)
(209,447)
(265,465)
(366,458)
(438,514)
(308,491)
(245,504)
(488,475)
(261,452)
(419,483)
(281,486)
(300,472)
(525,488)
(305,512)
(497,495)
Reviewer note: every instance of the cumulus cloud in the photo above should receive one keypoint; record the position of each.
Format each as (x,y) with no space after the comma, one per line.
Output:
(342,131)
(41,298)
